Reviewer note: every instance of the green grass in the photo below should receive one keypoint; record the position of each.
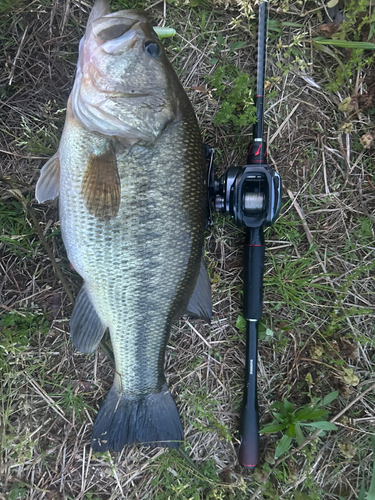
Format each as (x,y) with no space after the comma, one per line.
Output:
(17,329)
(8,5)
(185,481)
(294,282)
(18,235)
(39,138)
(202,409)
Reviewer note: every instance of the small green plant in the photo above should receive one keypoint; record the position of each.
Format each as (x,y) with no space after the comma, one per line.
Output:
(291,420)
(371,492)
(237,105)
(37,136)
(264,333)
(354,35)
(91,496)
(72,400)
(17,492)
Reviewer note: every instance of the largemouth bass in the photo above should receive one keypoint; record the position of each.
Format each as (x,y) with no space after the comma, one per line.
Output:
(130,174)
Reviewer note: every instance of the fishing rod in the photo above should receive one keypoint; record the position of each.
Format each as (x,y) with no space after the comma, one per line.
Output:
(252,196)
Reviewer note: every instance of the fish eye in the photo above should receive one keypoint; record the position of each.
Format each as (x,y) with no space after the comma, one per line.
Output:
(152,49)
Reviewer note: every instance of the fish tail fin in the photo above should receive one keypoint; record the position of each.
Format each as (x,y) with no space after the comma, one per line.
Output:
(150,420)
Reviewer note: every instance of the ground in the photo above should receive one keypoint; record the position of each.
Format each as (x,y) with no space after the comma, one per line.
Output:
(316,349)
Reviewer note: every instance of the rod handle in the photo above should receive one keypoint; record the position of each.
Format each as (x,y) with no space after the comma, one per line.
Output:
(248,452)
(254,252)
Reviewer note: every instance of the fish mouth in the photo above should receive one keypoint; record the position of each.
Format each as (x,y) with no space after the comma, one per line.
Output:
(117,32)
(125,41)
(116,24)
(128,94)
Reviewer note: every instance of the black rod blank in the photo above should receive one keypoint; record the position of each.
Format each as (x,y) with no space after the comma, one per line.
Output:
(261,68)
(254,251)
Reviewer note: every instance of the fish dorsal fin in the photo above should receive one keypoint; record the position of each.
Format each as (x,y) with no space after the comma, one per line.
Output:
(101,186)
(200,304)
(48,185)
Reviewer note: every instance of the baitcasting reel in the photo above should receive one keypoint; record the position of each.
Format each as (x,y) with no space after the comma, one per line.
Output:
(251,194)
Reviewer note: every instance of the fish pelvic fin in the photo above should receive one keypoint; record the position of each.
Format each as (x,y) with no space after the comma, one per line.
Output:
(150,420)
(86,328)
(48,185)
(200,304)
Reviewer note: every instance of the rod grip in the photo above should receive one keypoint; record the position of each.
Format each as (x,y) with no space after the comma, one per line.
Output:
(248,452)
(254,252)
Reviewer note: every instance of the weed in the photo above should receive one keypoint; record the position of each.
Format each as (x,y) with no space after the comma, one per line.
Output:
(286,228)
(17,492)
(91,496)
(291,420)
(128,4)
(237,105)
(202,415)
(353,35)
(361,236)
(264,333)
(37,137)
(344,72)
(371,492)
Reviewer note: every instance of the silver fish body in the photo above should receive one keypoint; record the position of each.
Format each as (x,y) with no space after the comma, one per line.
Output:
(131,177)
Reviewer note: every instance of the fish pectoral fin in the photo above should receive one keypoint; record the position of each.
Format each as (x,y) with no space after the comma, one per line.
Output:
(200,304)
(48,185)
(101,187)
(86,328)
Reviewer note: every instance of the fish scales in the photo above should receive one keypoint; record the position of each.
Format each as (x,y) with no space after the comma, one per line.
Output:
(155,242)
(130,174)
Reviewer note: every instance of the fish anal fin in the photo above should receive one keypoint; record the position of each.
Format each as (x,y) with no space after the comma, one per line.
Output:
(86,328)
(101,186)
(48,185)
(200,304)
